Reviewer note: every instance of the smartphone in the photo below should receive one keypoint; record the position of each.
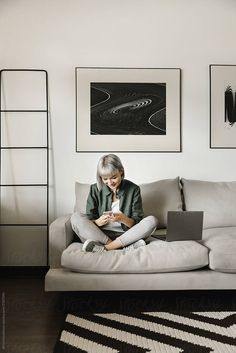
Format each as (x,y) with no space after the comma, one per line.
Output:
(108,213)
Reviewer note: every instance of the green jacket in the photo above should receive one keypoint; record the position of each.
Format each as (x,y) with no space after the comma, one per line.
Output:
(128,194)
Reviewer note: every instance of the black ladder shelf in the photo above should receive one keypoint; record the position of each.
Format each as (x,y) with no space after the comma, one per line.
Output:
(45,110)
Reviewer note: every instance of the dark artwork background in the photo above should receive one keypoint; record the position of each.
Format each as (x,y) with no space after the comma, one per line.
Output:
(127,108)
(230,106)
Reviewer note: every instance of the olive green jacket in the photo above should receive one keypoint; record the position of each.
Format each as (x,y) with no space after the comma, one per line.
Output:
(128,194)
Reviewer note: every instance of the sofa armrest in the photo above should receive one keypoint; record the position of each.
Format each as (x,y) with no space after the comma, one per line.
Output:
(60,236)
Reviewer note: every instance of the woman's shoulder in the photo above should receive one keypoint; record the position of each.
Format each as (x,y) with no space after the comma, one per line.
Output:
(94,188)
(130,184)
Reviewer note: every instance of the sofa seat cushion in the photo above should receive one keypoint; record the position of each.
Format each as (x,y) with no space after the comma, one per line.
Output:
(157,256)
(222,245)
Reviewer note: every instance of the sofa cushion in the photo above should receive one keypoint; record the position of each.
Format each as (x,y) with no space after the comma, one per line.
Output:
(216,199)
(159,197)
(81,195)
(157,256)
(222,245)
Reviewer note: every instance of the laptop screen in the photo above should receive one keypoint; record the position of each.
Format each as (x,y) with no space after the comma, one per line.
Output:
(184,225)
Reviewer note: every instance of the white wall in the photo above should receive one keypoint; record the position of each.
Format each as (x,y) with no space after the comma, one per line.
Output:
(58,35)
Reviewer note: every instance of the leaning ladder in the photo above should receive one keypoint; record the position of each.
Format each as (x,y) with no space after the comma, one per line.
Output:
(6,111)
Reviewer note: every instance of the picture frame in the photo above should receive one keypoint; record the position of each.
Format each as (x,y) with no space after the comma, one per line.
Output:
(222,106)
(128,109)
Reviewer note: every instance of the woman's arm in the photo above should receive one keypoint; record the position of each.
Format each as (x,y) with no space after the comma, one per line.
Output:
(122,218)
(136,208)
(92,204)
(102,221)
(92,208)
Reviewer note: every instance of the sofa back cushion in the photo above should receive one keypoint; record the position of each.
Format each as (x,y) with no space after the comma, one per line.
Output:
(216,199)
(158,198)
(81,195)
(161,196)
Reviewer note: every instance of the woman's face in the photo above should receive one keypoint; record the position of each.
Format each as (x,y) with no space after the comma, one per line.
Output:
(113,181)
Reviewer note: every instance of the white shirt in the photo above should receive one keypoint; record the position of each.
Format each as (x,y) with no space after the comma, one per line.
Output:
(114,226)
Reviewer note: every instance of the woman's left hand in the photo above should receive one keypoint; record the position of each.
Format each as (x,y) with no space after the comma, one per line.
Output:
(117,217)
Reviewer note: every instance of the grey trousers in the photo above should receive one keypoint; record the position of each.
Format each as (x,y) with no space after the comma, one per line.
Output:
(86,229)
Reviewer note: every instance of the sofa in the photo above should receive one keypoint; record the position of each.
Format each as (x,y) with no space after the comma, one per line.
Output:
(208,264)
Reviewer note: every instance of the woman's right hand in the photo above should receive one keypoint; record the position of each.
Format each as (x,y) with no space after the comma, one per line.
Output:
(103,220)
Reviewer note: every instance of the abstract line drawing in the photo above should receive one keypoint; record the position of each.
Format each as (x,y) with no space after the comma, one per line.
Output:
(128,108)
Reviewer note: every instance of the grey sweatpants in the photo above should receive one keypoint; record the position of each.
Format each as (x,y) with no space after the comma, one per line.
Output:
(86,229)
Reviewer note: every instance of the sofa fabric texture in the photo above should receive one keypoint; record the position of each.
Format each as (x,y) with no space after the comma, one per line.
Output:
(216,199)
(157,256)
(221,243)
(161,196)
(81,195)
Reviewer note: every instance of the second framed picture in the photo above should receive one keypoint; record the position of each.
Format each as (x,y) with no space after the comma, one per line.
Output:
(223,106)
(128,110)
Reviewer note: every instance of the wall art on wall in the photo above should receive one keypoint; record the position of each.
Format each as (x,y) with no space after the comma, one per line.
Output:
(222,106)
(128,110)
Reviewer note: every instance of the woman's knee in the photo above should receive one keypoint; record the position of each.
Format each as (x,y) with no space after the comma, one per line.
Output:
(152,221)
(77,221)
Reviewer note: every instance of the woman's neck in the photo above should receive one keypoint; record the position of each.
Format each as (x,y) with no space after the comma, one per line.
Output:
(115,195)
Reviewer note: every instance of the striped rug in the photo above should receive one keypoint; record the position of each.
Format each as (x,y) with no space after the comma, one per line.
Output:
(160,332)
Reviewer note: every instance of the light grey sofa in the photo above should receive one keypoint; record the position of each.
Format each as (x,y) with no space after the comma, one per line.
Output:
(181,265)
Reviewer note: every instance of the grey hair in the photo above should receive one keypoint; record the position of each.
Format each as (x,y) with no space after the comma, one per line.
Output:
(108,165)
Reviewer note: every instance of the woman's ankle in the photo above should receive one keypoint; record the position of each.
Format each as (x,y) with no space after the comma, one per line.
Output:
(113,245)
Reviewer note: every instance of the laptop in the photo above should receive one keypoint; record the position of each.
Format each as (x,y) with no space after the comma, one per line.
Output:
(184,225)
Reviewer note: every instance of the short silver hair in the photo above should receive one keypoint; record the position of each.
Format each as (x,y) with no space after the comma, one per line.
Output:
(108,165)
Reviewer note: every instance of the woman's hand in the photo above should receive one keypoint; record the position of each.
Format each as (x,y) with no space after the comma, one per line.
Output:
(122,218)
(103,220)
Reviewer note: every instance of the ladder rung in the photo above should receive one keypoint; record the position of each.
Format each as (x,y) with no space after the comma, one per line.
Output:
(23,225)
(24,185)
(23,147)
(24,111)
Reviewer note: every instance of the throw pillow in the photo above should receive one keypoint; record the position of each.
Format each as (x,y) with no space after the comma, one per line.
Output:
(161,196)
(216,199)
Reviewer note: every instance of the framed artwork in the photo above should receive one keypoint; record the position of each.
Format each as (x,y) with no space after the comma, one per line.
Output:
(222,106)
(128,110)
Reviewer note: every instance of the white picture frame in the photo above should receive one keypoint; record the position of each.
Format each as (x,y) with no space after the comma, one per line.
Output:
(128,109)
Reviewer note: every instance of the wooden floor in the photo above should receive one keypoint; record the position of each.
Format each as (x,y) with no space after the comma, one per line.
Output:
(31,318)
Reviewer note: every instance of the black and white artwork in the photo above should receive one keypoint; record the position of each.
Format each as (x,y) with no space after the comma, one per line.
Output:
(230,105)
(128,110)
(223,106)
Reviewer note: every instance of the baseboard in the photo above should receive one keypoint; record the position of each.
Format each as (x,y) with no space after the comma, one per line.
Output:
(23,271)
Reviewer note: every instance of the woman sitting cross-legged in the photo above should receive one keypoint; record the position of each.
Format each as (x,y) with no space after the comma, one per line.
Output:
(114,213)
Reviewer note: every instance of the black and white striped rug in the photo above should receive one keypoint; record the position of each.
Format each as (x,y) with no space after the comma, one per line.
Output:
(160,332)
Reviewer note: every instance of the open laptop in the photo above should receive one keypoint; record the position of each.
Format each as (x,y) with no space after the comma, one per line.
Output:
(184,225)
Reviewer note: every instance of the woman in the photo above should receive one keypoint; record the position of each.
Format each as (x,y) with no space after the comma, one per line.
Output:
(114,213)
